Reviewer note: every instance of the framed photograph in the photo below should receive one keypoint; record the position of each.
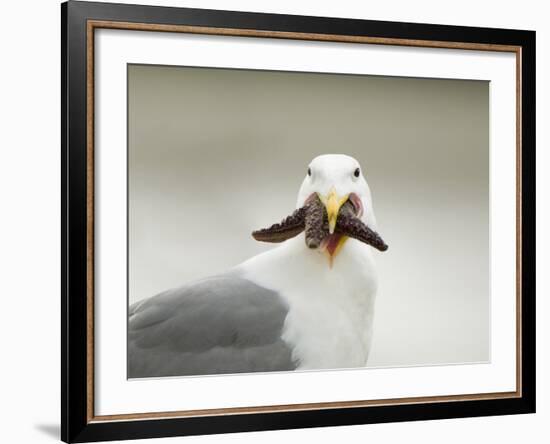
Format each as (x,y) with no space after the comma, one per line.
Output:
(275,221)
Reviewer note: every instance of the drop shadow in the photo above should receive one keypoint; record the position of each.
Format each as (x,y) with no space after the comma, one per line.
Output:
(51,430)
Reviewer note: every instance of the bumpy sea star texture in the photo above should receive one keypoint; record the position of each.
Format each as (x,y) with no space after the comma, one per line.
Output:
(312,218)
(350,225)
(289,227)
(316,222)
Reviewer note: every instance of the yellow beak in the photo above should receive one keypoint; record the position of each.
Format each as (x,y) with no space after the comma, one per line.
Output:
(333,203)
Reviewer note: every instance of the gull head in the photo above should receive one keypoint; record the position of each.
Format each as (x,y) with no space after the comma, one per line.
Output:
(336,179)
(334,203)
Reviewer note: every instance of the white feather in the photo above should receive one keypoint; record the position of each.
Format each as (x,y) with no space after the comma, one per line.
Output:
(329,323)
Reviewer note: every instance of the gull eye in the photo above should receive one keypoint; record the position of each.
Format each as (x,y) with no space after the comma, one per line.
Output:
(357,172)
(309,172)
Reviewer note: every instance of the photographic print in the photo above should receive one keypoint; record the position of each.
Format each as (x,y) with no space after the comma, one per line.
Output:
(290,221)
(275,221)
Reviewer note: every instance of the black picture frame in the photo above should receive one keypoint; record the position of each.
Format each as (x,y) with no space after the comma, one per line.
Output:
(76,327)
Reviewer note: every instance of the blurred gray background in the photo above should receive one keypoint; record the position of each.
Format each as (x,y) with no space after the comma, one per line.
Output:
(215,153)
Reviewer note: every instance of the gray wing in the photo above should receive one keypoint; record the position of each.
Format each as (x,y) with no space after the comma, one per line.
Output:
(223,324)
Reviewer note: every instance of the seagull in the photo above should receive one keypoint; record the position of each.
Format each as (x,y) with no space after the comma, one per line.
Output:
(306,304)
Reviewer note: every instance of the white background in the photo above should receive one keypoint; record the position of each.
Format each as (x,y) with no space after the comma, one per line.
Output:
(29,239)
